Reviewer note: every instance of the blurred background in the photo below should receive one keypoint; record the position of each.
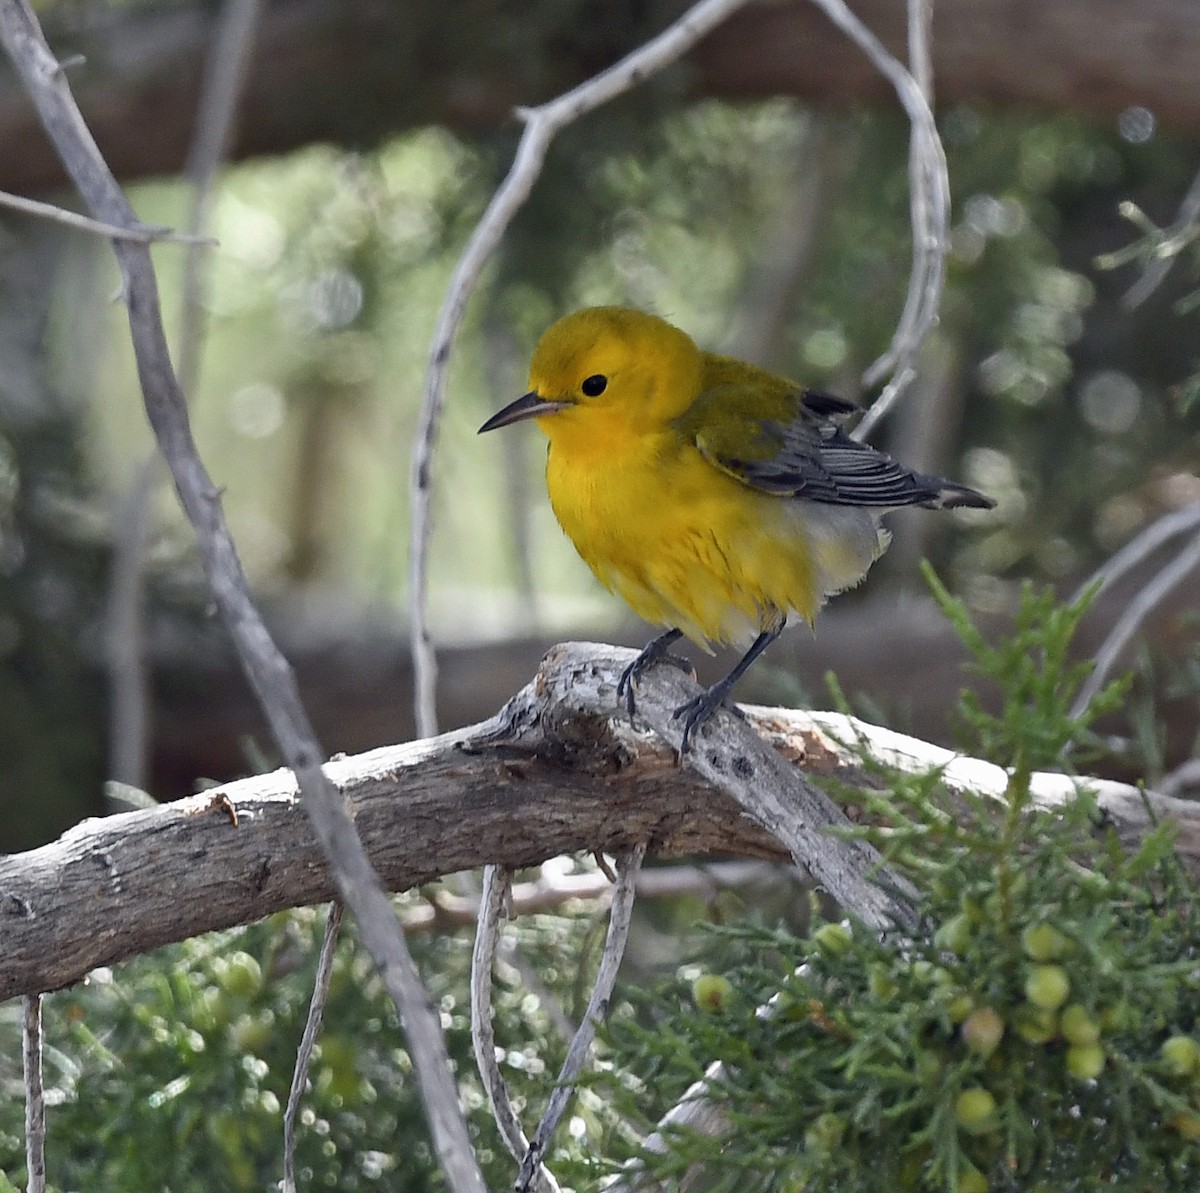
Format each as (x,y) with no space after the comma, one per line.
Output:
(756,195)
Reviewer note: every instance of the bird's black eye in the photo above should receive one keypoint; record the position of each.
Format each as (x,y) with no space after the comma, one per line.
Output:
(594,386)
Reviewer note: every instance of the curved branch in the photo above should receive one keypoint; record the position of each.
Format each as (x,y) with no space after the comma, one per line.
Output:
(268,671)
(493,904)
(308,1041)
(620,917)
(542,124)
(1172,575)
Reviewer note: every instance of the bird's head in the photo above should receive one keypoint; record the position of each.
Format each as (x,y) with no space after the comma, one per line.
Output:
(607,367)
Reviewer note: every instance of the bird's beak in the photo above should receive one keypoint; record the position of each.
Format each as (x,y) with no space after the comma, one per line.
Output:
(530,405)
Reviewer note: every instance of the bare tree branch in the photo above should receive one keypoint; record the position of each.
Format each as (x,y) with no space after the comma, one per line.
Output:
(1172,575)
(493,908)
(557,771)
(930,204)
(265,666)
(129,688)
(1143,544)
(620,917)
(312,1029)
(35,1094)
(1169,244)
(731,757)
(542,124)
(139,234)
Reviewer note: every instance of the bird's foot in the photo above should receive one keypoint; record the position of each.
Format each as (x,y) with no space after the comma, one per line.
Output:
(655,652)
(701,709)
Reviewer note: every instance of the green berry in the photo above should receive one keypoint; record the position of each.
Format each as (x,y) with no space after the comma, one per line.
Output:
(881,983)
(1085,1061)
(1180,1055)
(960,1007)
(712,992)
(251,1035)
(241,975)
(973,911)
(1047,986)
(825,1133)
(975,1111)
(954,935)
(1187,1125)
(1035,1025)
(982,1031)
(971,1180)
(1077,1026)
(1120,1017)
(1044,942)
(833,939)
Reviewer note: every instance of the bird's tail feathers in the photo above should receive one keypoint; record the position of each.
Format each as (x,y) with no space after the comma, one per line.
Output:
(948,495)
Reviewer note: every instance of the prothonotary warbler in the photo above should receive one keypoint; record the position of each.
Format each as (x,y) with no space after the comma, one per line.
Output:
(717,498)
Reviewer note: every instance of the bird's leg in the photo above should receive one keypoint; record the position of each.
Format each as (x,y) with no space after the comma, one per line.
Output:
(699,709)
(655,652)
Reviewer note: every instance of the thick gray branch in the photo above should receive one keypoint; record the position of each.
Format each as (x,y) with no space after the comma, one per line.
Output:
(550,774)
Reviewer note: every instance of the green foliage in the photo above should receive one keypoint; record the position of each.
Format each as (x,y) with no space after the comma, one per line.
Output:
(1036,677)
(172,1072)
(1040,1033)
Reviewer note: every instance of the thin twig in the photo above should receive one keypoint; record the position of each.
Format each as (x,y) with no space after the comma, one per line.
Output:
(550,892)
(1180,780)
(312,1028)
(268,671)
(469,903)
(1174,239)
(225,70)
(541,126)
(35,1094)
(493,905)
(619,918)
(1140,547)
(930,203)
(909,335)
(1140,608)
(138,233)
(920,57)
(129,689)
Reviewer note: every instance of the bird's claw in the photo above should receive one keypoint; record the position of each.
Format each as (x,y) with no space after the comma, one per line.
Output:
(644,661)
(700,709)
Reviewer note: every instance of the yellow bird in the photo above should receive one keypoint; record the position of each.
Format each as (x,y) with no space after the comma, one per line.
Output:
(718,499)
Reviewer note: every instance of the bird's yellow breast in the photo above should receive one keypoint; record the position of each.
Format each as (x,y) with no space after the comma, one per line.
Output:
(688,546)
